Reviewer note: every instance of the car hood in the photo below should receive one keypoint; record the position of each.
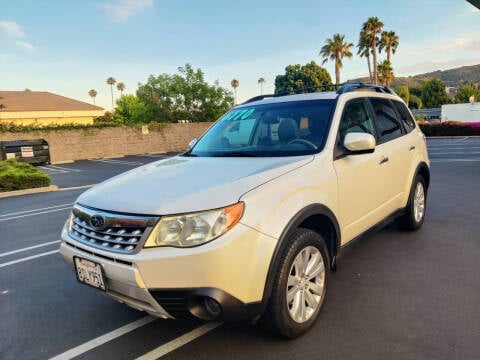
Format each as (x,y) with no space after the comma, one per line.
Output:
(187,184)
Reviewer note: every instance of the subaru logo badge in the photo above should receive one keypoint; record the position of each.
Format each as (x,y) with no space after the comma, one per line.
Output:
(97,221)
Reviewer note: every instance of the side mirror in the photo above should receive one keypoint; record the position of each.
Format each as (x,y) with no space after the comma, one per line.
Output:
(192,143)
(359,142)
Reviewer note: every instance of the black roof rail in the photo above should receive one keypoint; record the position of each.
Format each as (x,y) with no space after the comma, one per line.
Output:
(310,89)
(347,87)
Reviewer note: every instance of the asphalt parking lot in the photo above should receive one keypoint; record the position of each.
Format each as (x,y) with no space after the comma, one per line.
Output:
(395,295)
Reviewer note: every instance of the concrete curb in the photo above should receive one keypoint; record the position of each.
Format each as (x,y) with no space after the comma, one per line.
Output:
(29,191)
(50,188)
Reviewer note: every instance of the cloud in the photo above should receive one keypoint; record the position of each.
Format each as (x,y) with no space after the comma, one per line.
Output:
(25,46)
(121,10)
(11,28)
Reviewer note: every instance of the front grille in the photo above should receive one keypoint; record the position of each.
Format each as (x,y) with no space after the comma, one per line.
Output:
(116,232)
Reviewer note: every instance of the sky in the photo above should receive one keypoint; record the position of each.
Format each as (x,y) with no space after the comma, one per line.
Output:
(70,47)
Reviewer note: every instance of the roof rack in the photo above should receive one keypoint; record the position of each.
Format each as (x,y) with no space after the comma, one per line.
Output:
(347,87)
(341,89)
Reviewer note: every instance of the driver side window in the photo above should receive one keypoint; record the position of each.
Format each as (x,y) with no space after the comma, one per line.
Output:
(355,118)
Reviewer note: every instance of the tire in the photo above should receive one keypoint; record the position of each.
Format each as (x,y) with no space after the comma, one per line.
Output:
(416,207)
(288,317)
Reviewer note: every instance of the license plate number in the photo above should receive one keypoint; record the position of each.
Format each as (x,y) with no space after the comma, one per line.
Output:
(90,273)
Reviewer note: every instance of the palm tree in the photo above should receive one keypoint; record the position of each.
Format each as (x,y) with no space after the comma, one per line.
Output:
(373,27)
(234,84)
(121,87)
(93,93)
(261,81)
(385,72)
(336,49)
(111,81)
(389,42)
(364,50)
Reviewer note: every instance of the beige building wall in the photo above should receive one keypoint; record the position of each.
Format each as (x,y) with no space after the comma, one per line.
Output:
(42,118)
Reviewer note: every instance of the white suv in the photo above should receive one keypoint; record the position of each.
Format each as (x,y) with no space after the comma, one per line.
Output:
(250,220)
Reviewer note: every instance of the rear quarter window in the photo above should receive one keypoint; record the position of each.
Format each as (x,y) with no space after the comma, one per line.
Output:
(405,116)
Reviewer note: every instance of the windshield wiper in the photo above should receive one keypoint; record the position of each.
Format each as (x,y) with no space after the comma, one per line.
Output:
(235,154)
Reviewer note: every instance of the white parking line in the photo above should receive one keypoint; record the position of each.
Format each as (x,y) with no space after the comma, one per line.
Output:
(89,345)
(179,342)
(34,214)
(455,152)
(38,209)
(29,248)
(13,262)
(119,162)
(62,168)
(453,160)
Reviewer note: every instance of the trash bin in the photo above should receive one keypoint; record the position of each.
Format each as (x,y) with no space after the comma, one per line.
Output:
(29,151)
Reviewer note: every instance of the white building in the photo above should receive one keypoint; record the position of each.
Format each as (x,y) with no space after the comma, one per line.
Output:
(461,112)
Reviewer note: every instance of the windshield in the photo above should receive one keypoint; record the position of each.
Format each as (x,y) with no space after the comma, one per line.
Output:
(279,129)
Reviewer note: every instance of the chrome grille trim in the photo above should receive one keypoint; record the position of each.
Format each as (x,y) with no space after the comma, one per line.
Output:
(120,233)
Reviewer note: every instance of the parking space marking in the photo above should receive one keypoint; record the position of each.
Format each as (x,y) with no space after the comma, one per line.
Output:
(54,170)
(179,342)
(13,262)
(455,152)
(38,209)
(453,160)
(29,248)
(119,162)
(89,345)
(34,214)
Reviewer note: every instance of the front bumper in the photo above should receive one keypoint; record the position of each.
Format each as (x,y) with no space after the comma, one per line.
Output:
(169,282)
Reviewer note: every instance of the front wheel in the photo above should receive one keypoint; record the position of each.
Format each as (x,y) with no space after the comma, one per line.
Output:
(300,285)
(416,207)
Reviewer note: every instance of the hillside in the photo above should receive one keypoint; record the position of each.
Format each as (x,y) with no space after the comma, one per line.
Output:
(451,77)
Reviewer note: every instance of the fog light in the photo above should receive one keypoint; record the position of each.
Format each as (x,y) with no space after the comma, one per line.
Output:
(212,306)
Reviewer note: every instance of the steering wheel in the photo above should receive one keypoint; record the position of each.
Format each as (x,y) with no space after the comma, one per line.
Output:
(304,142)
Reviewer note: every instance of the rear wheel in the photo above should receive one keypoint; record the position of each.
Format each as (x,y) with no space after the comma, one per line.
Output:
(416,207)
(300,285)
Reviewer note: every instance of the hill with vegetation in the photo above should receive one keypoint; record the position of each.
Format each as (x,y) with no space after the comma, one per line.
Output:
(451,77)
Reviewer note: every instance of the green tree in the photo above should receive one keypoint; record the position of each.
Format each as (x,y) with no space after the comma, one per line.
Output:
(466,91)
(414,102)
(433,93)
(388,42)
(111,81)
(261,81)
(184,96)
(121,88)
(305,78)
(131,110)
(93,94)
(385,73)
(234,83)
(403,92)
(372,28)
(336,49)
(364,47)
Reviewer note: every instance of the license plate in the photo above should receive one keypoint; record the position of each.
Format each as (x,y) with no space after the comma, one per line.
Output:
(90,273)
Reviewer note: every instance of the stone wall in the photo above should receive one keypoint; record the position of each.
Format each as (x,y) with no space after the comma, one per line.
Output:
(67,145)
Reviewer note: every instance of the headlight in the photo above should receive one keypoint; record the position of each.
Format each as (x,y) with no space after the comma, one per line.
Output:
(194,229)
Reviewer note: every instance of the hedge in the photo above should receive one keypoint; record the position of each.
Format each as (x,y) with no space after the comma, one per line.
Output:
(16,175)
(450,128)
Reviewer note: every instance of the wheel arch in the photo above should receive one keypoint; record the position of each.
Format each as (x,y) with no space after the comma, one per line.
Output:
(316,217)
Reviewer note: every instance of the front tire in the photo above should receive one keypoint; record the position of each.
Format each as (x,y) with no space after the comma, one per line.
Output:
(415,211)
(300,285)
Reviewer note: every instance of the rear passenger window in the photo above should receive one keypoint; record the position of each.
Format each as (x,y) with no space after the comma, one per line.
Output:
(388,126)
(405,116)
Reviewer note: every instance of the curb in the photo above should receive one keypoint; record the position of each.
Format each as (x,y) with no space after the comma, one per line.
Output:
(50,188)
(29,191)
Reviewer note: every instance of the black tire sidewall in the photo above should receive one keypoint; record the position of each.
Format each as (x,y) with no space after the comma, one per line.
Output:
(411,211)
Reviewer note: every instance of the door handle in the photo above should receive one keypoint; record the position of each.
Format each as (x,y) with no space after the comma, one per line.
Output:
(412,147)
(383,160)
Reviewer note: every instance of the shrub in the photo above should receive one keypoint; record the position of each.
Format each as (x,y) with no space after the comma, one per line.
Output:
(450,128)
(16,175)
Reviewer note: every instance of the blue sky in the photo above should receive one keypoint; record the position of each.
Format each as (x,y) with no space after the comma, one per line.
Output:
(70,47)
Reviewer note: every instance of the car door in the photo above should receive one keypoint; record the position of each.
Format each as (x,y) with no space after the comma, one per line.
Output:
(394,143)
(360,177)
